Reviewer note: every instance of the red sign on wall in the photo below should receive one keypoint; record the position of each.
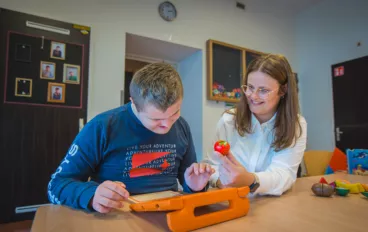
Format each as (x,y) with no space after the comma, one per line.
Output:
(339,71)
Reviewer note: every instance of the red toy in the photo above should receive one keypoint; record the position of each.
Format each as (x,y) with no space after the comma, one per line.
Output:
(323,181)
(222,146)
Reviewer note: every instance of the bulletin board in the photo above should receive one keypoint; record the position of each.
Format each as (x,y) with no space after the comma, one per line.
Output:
(44,72)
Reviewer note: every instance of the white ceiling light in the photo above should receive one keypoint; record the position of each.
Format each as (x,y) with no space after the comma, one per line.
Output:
(48,28)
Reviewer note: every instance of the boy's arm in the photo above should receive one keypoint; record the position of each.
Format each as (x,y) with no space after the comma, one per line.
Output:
(190,157)
(68,185)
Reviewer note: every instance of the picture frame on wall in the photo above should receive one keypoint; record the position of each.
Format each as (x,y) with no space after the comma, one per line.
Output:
(56,92)
(226,67)
(23,87)
(47,70)
(251,55)
(71,74)
(23,52)
(58,50)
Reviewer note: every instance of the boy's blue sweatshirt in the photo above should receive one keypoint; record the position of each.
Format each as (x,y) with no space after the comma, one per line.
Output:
(116,146)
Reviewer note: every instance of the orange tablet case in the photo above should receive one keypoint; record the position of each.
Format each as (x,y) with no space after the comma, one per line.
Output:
(182,217)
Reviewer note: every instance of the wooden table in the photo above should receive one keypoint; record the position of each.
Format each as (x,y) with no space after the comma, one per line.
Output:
(297,210)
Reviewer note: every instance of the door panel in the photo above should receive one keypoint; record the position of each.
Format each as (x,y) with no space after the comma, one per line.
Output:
(350,83)
(35,138)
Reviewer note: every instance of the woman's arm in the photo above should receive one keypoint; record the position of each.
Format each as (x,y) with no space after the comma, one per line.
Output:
(282,172)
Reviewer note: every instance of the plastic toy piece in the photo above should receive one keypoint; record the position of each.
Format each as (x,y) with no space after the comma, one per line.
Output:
(342,191)
(183,219)
(322,190)
(323,181)
(354,188)
(333,184)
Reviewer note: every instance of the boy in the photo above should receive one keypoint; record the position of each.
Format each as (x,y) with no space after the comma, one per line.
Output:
(141,147)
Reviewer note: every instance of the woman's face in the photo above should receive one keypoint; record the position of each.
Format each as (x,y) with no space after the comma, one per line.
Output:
(262,92)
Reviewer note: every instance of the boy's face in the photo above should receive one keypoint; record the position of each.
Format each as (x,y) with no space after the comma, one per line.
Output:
(157,121)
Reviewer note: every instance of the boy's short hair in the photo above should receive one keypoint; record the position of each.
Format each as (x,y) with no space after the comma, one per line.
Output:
(158,84)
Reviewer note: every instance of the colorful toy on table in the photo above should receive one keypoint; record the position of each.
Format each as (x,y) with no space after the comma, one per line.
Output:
(342,191)
(341,187)
(323,180)
(353,187)
(322,190)
(333,184)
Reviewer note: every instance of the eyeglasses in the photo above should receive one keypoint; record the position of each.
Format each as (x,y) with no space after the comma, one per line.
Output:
(262,93)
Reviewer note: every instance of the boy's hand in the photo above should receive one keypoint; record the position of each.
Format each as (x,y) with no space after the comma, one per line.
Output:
(109,195)
(198,175)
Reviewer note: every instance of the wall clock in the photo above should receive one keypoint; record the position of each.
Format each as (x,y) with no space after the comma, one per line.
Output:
(167,11)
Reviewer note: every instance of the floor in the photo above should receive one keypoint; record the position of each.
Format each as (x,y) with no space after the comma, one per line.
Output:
(23,226)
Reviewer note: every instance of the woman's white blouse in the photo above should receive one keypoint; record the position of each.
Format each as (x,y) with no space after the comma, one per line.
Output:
(277,171)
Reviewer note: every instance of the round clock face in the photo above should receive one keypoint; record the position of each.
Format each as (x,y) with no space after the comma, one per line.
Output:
(167,11)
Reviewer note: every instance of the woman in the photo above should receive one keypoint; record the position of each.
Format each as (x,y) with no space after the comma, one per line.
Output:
(267,135)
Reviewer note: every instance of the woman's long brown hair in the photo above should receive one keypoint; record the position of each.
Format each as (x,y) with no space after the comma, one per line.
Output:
(287,126)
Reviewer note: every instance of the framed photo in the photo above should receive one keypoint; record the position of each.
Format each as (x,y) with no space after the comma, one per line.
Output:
(47,70)
(23,52)
(58,50)
(23,87)
(71,74)
(56,92)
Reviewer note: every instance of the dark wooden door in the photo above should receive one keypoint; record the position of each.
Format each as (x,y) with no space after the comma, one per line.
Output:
(35,133)
(127,79)
(350,81)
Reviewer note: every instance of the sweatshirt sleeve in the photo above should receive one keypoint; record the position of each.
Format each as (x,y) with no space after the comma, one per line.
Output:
(69,185)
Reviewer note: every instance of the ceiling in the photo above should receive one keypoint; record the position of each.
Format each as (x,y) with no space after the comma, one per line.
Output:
(278,7)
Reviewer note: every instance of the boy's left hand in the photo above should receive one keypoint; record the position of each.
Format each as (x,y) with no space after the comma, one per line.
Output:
(198,175)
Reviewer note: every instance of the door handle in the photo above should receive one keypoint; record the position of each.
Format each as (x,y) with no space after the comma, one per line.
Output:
(338,133)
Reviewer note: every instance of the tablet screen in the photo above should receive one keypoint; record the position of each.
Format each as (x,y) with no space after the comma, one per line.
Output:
(153,196)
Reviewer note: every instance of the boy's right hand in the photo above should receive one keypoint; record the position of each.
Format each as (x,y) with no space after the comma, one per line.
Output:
(109,195)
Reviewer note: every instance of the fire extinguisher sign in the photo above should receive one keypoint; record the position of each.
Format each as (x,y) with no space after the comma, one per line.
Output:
(339,71)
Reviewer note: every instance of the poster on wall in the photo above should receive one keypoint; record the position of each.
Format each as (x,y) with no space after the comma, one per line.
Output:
(51,76)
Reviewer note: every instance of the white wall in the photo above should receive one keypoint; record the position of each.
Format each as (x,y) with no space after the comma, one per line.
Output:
(198,21)
(190,71)
(327,34)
